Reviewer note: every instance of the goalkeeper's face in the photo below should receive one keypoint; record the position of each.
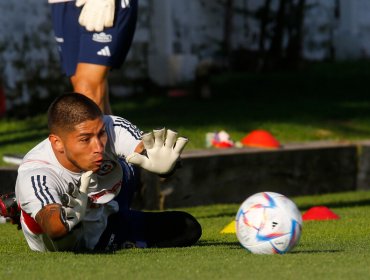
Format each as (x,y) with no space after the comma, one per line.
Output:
(83,147)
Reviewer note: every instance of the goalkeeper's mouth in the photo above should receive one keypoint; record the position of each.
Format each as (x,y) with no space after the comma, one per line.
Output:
(98,162)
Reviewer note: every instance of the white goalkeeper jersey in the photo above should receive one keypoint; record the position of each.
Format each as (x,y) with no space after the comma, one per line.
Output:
(42,180)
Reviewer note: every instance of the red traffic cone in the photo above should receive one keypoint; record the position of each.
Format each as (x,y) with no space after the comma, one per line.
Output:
(319,213)
(260,139)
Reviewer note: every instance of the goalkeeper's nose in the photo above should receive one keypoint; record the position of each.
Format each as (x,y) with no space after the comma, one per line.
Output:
(98,146)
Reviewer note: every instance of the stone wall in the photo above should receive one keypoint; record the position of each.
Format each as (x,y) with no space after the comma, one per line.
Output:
(229,176)
(169,43)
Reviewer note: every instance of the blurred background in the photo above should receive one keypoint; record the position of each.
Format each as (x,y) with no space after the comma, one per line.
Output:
(181,42)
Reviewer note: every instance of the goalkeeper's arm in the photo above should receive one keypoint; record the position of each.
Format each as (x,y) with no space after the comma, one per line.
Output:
(50,219)
(57,220)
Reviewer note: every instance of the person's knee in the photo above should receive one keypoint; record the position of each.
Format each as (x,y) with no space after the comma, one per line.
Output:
(87,85)
(91,80)
(172,229)
(95,90)
(193,230)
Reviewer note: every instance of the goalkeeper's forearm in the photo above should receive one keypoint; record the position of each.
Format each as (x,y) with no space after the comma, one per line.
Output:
(51,222)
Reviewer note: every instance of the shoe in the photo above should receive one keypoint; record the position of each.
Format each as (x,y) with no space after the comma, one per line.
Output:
(10,209)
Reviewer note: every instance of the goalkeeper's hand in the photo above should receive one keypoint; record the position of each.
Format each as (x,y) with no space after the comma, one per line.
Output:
(96,14)
(162,151)
(75,201)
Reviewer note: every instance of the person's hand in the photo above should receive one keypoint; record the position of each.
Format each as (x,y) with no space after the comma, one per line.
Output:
(75,201)
(162,151)
(96,14)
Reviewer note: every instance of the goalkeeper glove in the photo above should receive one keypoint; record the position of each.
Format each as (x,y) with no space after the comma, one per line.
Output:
(75,201)
(162,151)
(96,14)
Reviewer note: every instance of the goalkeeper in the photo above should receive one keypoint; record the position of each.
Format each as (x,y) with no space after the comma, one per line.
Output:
(93,37)
(75,187)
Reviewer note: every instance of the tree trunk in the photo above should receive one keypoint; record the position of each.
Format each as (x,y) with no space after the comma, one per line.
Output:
(294,48)
(264,21)
(228,27)
(277,40)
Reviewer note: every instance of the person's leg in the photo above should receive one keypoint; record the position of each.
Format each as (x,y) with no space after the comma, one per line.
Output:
(163,229)
(101,52)
(149,230)
(146,229)
(91,80)
(87,57)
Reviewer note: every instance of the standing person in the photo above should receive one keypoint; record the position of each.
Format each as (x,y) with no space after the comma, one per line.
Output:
(93,37)
(75,188)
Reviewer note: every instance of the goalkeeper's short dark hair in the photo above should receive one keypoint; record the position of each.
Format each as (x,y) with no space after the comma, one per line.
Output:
(71,109)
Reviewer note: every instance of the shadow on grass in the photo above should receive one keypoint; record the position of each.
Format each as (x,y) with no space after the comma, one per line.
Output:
(236,245)
(204,243)
(316,251)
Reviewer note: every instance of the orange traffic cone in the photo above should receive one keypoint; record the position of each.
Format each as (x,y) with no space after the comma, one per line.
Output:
(260,139)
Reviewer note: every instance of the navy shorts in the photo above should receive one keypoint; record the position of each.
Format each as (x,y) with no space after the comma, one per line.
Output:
(76,44)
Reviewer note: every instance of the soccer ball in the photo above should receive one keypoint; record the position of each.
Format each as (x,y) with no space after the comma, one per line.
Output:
(268,223)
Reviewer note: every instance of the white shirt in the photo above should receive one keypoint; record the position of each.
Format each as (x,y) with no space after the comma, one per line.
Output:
(42,180)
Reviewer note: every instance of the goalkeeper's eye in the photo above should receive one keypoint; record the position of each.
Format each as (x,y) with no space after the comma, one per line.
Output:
(102,133)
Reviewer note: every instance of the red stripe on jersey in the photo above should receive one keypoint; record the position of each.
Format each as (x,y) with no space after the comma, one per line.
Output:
(31,223)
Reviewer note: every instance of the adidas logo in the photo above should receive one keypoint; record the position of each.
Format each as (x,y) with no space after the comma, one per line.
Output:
(104,51)
(102,37)
(59,39)
(125,3)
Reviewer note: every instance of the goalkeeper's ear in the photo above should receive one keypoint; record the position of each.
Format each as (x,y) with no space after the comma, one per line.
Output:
(56,143)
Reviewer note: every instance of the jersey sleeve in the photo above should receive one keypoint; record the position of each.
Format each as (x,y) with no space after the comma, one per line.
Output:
(123,135)
(37,188)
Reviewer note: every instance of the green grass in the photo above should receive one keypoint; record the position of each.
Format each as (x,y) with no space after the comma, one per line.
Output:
(336,249)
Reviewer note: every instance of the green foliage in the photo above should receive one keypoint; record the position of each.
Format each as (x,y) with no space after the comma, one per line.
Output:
(336,249)
(321,102)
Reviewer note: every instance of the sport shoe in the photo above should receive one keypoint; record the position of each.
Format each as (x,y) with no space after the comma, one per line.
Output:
(10,209)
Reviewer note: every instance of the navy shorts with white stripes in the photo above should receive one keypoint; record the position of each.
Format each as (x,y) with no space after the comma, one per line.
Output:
(76,44)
